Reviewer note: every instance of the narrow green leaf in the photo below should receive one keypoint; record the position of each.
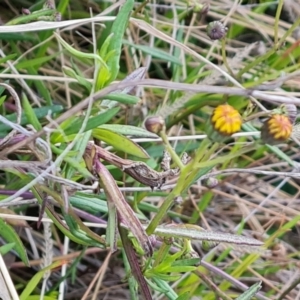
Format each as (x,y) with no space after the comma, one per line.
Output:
(167,277)
(38,297)
(32,284)
(156,287)
(197,233)
(89,203)
(118,29)
(58,223)
(187,262)
(35,62)
(34,16)
(123,98)
(180,269)
(119,142)
(93,122)
(81,80)
(105,45)
(164,56)
(250,292)
(8,57)
(77,166)
(29,112)
(6,248)
(17,37)
(169,292)
(38,112)
(129,130)
(184,296)
(2,99)
(10,235)
(80,54)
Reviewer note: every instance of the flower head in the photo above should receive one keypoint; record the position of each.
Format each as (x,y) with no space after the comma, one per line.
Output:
(224,121)
(278,128)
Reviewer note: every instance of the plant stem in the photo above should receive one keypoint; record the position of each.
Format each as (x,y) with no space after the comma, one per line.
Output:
(278,12)
(170,150)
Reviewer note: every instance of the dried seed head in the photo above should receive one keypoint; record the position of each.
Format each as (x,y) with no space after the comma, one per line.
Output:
(277,129)
(216,30)
(155,124)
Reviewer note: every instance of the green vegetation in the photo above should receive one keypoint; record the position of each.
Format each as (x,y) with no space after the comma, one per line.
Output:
(149,150)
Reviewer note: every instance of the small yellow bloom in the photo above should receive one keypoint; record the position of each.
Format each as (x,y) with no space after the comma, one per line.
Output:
(278,128)
(226,119)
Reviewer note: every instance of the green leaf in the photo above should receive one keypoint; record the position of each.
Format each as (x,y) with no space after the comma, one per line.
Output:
(8,57)
(119,142)
(187,262)
(167,277)
(38,112)
(2,99)
(250,292)
(81,80)
(164,56)
(118,29)
(38,297)
(73,162)
(10,236)
(129,130)
(122,98)
(197,233)
(80,54)
(180,269)
(89,203)
(17,37)
(184,296)
(35,62)
(93,122)
(105,45)
(32,284)
(29,112)
(6,248)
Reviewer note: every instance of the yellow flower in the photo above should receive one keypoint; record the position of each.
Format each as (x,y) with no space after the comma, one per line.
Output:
(278,128)
(226,119)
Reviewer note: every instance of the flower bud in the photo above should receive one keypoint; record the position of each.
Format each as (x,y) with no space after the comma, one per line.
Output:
(211,182)
(216,30)
(26,11)
(276,129)
(155,124)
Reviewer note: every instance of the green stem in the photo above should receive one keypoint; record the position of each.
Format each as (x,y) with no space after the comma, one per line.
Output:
(200,157)
(167,203)
(221,159)
(179,188)
(225,62)
(170,150)
(278,12)
(269,53)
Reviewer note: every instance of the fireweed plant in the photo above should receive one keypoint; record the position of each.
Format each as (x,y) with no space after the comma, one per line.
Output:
(81,160)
